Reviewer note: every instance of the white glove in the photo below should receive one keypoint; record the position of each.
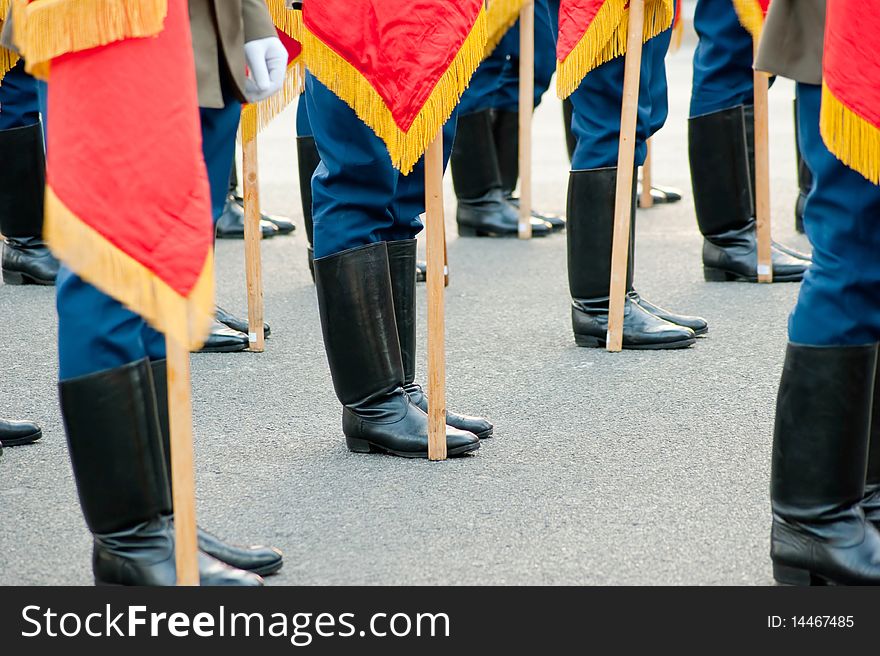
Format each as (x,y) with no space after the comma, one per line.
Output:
(267,66)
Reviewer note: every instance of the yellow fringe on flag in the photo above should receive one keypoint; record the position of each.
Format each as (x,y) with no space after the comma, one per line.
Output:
(677,36)
(500,17)
(8,60)
(605,39)
(266,110)
(750,16)
(287,20)
(45,29)
(853,140)
(405,148)
(99,262)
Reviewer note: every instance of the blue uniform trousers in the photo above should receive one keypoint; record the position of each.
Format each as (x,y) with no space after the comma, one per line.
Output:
(495,84)
(598,100)
(723,75)
(839,302)
(19,102)
(96,332)
(358,197)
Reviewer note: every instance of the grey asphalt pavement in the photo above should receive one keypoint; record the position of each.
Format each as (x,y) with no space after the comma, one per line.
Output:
(632,468)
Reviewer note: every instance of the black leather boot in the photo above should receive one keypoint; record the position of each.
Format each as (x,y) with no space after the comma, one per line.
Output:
(223,339)
(871,503)
(749,116)
(820,453)
(356,305)
(259,560)
(26,258)
(237,323)
(284,225)
(723,199)
(804,176)
(660,195)
(483,210)
(402,263)
(308,159)
(16,433)
(230,225)
(589,235)
(506,133)
(119,465)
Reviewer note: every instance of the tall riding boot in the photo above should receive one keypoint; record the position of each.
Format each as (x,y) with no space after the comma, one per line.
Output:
(804,176)
(482,208)
(402,264)
(259,560)
(119,465)
(820,454)
(308,160)
(871,504)
(506,133)
(26,258)
(590,228)
(749,116)
(356,305)
(722,185)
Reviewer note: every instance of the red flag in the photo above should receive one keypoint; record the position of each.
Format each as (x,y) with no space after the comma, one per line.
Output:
(500,17)
(752,14)
(402,65)
(127,202)
(592,32)
(850,118)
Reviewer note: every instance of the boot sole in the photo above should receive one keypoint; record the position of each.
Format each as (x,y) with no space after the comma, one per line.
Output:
(720,275)
(467,231)
(795,576)
(21,441)
(588,341)
(485,435)
(267,570)
(16,278)
(224,349)
(357,445)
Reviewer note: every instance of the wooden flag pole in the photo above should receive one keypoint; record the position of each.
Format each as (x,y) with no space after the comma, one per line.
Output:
(625,164)
(436,231)
(762,175)
(182,471)
(647,199)
(253,234)
(526,108)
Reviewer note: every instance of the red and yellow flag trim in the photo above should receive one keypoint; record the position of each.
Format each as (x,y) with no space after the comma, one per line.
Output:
(603,37)
(8,59)
(850,115)
(406,143)
(500,17)
(751,14)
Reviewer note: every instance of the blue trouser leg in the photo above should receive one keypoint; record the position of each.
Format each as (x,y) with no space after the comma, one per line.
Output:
(484,84)
(358,197)
(839,302)
(597,105)
(303,127)
(723,76)
(507,93)
(218,145)
(19,103)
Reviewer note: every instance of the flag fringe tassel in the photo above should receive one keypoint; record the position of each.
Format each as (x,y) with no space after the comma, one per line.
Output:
(287,20)
(267,110)
(854,140)
(96,260)
(751,16)
(405,147)
(500,17)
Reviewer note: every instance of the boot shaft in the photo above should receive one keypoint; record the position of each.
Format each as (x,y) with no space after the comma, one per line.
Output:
(116,450)
(356,306)
(402,266)
(823,420)
(506,133)
(720,171)
(474,161)
(23,182)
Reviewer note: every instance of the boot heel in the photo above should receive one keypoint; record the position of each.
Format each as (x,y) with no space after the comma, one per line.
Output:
(13,278)
(786,575)
(357,445)
(588,341)
(716,275)
(467,231)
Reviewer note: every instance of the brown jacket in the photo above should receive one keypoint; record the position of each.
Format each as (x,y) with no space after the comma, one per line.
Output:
(220,28)
(792,40)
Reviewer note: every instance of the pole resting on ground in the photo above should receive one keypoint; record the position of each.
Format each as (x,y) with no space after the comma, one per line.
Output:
(253,234)
(182,472)
(526,107)
(625,166)
(762,176)
(436,236)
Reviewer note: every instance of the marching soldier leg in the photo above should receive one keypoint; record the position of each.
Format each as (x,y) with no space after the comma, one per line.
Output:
(307,160)
(804,177)
(824,409)
(590,216)
(26,258)
(354,190)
